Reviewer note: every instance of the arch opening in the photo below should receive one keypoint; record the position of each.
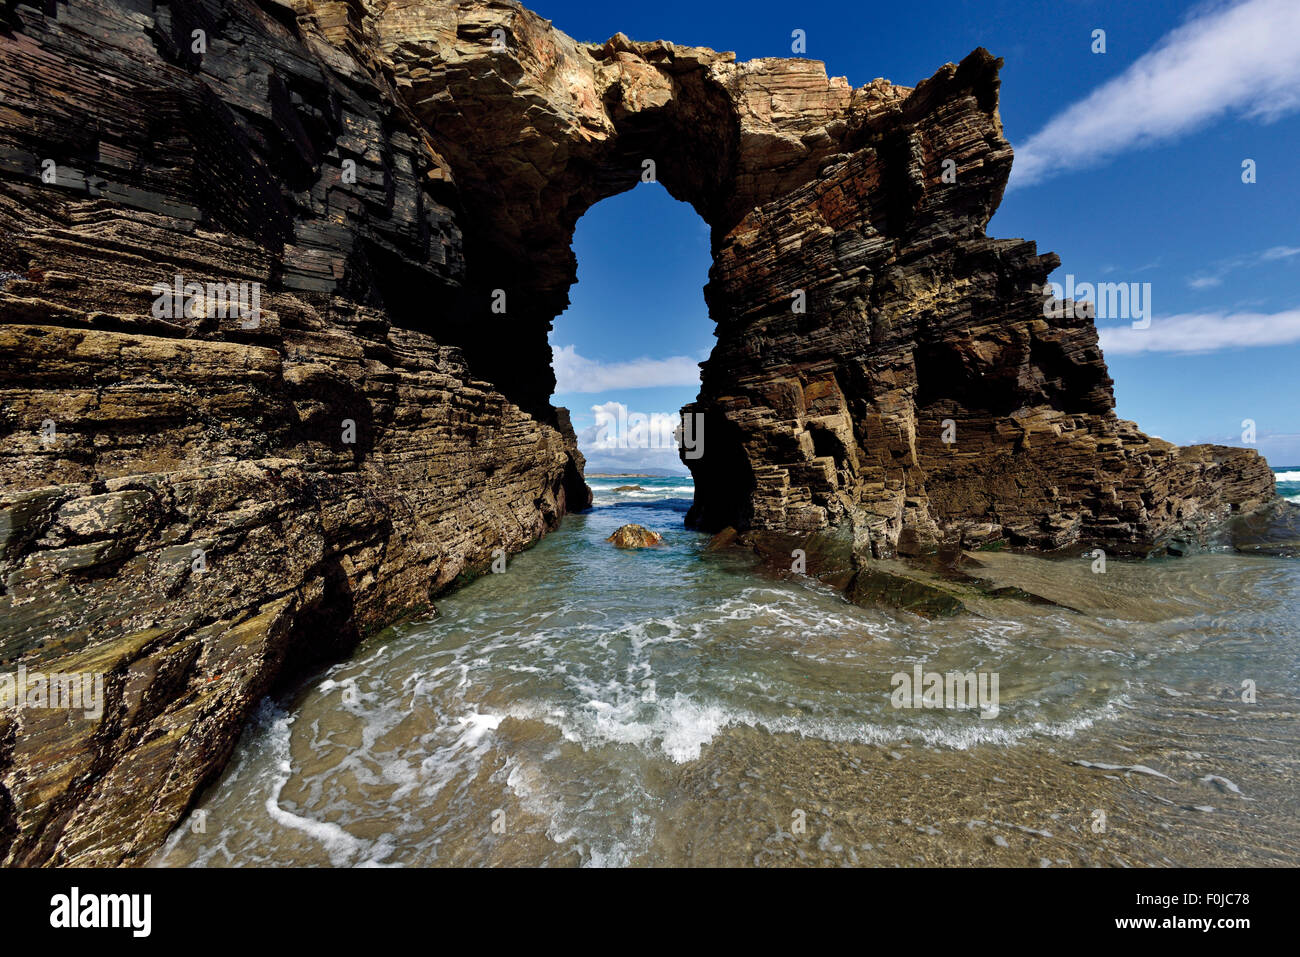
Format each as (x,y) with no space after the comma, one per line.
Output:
(627,351)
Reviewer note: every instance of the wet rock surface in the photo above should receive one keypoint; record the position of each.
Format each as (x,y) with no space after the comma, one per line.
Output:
(634,536)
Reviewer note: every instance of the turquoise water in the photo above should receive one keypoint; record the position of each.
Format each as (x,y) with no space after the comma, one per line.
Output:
(676,705)
(1288,483)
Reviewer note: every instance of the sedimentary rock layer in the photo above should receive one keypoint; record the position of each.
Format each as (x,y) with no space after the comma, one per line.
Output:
(908,316)
(190,506)
(196,503)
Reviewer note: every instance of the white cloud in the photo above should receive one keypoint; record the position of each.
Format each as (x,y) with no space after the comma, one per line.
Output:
(1280,252)
(575,373)
(1216,272)
(617,428)
(1204,332)
(626,441)
(1243,58)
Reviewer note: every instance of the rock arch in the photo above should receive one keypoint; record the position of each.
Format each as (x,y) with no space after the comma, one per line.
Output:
(913,317)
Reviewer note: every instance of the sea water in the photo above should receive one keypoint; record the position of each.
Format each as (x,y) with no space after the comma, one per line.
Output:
(1288,483)
(679,705)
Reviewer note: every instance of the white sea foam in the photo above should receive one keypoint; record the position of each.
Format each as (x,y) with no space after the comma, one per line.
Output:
(476,726)
(1288,476)
(415,735)
(680,727)
(341,846)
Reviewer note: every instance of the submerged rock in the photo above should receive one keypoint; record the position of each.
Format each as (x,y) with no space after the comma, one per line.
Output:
(723,540)
(1272,531)
(635,536)
(629,488)
(874,586)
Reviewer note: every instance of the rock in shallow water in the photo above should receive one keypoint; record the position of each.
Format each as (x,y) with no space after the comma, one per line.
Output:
(635,536)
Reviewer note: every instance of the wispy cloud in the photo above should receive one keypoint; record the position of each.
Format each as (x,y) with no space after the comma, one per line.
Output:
(1111,268)
(1204,332)
(1215,274)
(1282,449)
(1280,252)
(1243,59)
(575,373)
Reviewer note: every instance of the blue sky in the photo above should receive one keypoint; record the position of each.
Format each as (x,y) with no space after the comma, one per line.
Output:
(1128,165)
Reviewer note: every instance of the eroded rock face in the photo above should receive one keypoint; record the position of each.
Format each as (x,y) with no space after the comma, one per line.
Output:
(195,504)
(911,321)
(190,507)
(922,395)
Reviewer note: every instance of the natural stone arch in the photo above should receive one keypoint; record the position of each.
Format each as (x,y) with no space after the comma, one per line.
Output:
(914,317)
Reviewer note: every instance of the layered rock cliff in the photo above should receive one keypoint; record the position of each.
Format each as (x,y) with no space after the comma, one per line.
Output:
(197,500)
(194,503)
